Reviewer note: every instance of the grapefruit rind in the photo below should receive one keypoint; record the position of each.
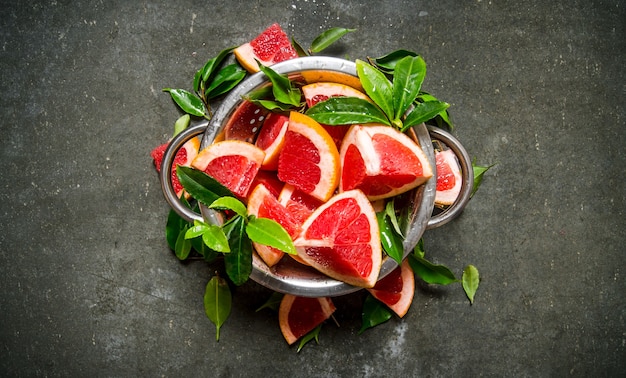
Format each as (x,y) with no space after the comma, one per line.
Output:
(341,239)
(272,150)
(308,318)
(364,141)
(398,302)
(447,170)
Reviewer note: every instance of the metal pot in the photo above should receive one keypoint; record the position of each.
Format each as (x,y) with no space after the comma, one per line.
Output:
(289,276)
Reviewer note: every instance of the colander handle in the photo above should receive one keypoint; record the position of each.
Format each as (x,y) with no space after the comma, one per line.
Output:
(166,178)
(467,174)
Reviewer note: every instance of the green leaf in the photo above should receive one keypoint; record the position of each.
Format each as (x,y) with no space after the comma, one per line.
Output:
(443,118)
(238,262)
(377,86)
(212,64)
(183,246)
(272,105)
(479,171)
(431,273)
(390,60)
(418,251)
(423,112)
(389,239)
(408,77)
(187,101)
(282,87)
(346,111)
(327,38)
(390,210)
(374,313)
(269,232)
(173,227)
(273,302)
(198,229)
(201,186)
(313,335)
(199,246)
(217,302)
(230,203)
(470,279)
(226,79)
(181,124)
(215,238)
(298,47)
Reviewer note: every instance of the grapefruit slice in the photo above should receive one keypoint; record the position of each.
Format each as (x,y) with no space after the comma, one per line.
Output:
(309,159)
(231,162)
(298,203)
(245,122)
(317,92)
(269,47)
(298,316)
(381,161)
(262,204)
(271,139)
(270,180)
(449,180)
(396,290)
(184,156)
(341,240)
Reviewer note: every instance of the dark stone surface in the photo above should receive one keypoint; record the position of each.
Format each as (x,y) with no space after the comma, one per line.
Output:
(89,287)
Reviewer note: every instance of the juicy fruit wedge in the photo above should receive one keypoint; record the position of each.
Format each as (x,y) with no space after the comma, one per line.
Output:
(449,180)
(309,159)
(270,180)
(341,240)
(317,92)
(298,316)
(271,46)
(245,122)
(396,290)
(184,157)
(262,204)
(231,162)
(271,139)
(381,161)
(298,203)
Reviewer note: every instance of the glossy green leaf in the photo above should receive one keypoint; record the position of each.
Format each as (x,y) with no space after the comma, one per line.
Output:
(183,246)
(207,253)
(282,87)
(423,112)
(187,101)
(217,302)
(313,335)
(212,64)
(215,238)
(273,302)
(173,228)
(431,273)
(181,124)
(408,77)
(269,232)
(374,313)
(443,118)
(238,262)
(327,38)
(389,239)
(196,230)
(226,79)
(390,210)
(272,105)
(201,186)
(346,111)
(230,203)
(298,47)
(419,251)
(470,280)
(389,61)
(479,171)
(377,86)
